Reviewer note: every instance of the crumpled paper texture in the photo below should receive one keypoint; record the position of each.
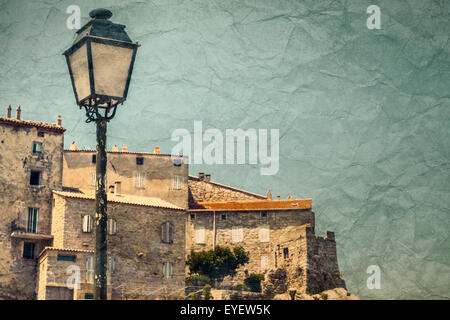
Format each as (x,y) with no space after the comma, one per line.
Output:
(363,114)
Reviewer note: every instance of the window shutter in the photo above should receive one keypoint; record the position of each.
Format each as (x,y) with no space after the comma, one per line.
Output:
(170,233)
(112,226)
(87,223)
(264,234)
(200,235)
(264,262)
(90,269)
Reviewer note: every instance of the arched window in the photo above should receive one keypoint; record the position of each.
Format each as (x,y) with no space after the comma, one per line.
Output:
(167,232)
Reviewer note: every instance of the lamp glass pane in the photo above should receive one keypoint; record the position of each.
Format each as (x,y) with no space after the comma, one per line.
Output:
(111,67)
(80,72)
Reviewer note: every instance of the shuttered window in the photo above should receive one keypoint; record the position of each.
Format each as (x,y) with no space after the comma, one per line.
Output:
(237,234)
(167,270)
(112,226)
(139,180)
(264,234)
(264,262)
(112,265)
(90,270)
(87,223)
(32,225)
(200,235)
(167,232)
(177,182)
(37,147)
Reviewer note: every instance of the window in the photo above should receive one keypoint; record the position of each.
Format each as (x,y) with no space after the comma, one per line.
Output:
(263,215)
(41,134)
(200,235)
(177,180)
(112,264)
(88,296)
(32,220)
(28,250)
(264,234)
(140,178)
(112,226)
(87,223)
(237,234)
(167,232)
(223,217)
(139,161)
(167,270)
(66,258)
(35,178)
(93,178)
(192,216)
(286,253)
(90,270)
(37,147)
(94,158)
(264,262)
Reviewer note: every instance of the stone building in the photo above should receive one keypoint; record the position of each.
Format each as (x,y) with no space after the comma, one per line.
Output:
(157,214)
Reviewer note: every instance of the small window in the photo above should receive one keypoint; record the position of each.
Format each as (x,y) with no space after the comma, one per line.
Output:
(87,224)
(41,134)
(177,161)
(37,147)
(264,234)
(286,253)
(167,270)
(167,232)
(94,158)
(32,220)
(90,270)
(66,258)
(139,161)
(177,181)
(28,250)
(223,217)
(192,216)
(264,216)
(112,226)
(88,296)
(264,262)
(35,178)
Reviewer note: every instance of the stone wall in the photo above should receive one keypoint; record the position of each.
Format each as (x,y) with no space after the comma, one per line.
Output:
(137,248)
(218,232)
(18,275)
(158,171)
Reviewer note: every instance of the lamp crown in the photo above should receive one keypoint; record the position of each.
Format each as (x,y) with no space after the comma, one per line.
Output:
(100,14)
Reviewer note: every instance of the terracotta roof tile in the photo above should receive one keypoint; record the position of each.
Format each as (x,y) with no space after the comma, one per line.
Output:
(125,199)
(28,123)
(290,204)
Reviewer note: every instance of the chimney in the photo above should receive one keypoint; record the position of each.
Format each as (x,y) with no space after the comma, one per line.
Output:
(278,198)
(156,150)
(73,146)
(59,121)
(115,148)
(18,112)
(117,188)
(124,148)
(201,176)
(269,195)
(207,177)
(8,112)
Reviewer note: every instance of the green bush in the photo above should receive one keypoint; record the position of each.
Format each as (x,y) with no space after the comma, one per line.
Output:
(207,292)
(197,281)
(253,282)
(324,296)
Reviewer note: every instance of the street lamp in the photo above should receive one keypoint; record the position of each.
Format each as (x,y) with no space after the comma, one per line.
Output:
(100,64)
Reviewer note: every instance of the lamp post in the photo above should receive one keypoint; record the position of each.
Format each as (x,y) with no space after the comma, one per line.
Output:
(100,64)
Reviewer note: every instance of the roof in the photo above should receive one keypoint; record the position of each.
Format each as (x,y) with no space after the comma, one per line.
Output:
(289,204)
(125,199)
(193,178)
(65,250)
(37,124)
(121,152)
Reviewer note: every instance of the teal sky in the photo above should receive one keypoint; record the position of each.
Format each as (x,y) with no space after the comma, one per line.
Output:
(363,114)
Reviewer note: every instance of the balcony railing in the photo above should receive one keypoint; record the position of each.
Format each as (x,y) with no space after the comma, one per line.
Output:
(20,229)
